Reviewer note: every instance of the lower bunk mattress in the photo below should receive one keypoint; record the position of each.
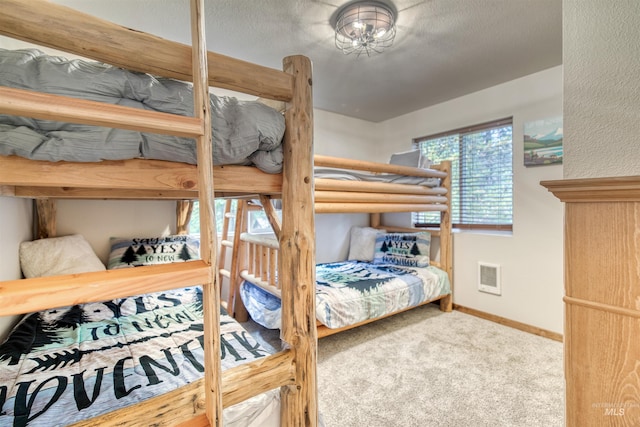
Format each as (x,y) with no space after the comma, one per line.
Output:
(351,292)
(64,365)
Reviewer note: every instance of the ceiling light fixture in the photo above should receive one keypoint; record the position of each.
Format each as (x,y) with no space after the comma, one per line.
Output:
(365,27)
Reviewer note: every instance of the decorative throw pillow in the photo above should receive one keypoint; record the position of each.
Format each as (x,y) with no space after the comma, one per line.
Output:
(403,249)
(362,241)
(58,255)
(413,158)
(134,252)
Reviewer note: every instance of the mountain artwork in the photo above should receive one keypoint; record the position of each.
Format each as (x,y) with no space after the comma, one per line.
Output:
(543,142)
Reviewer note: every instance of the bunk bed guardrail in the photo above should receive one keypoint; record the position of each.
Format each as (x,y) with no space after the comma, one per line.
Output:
(256,259)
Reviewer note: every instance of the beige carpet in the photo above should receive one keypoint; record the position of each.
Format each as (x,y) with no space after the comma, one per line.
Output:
(428,368)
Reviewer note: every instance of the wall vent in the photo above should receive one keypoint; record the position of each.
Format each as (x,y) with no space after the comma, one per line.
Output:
(489,278)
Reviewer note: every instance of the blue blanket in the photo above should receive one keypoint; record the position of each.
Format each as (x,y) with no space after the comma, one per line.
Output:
(352,291)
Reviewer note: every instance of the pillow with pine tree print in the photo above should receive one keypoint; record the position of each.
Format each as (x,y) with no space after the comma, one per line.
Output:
(138,251)
(403,249)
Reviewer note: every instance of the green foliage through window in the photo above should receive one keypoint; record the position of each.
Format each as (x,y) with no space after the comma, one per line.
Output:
(194,223)
(482,174)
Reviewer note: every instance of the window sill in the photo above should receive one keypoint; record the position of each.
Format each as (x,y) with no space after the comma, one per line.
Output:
(488,232)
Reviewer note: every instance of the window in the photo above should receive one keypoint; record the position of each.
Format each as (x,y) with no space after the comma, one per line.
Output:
(482,175)
(194,223)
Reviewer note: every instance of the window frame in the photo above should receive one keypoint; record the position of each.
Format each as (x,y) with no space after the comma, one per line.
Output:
(460,132)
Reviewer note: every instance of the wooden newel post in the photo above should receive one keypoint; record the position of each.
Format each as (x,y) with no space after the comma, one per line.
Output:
(297,250)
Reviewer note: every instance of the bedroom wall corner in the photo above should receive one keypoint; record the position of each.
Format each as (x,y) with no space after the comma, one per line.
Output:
(15,227)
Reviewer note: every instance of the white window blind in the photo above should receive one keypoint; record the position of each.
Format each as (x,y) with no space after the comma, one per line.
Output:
(482,174)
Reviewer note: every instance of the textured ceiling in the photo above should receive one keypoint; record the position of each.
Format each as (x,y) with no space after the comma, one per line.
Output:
(443,48)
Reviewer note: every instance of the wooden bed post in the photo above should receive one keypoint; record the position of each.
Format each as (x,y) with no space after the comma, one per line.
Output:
(274,221)
(184,208)
(46,218)
(208,236)
(238,263)
(375,220)
(297,246)
(446,238)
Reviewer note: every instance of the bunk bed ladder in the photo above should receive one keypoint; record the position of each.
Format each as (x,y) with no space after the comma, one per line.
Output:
(222,271)
(236,259)
(208,236)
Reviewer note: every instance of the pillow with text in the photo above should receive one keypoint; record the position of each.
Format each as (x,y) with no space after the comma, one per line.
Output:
(403,249)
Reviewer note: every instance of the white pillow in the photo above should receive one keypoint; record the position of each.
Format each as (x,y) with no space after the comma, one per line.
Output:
(362,242)
(413,158)
(57,256)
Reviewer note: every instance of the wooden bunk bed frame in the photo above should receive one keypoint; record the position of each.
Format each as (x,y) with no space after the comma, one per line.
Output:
(292,370)
(255,258)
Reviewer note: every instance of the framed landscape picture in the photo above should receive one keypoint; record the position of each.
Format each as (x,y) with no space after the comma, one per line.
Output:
(543,142)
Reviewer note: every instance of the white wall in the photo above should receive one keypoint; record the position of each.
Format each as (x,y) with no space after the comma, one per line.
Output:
(601,88)
(341,136)
(15,227)
(531,257)
(98,220)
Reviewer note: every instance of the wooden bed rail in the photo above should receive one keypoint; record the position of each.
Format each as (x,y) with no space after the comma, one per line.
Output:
(23,19)
(261,262)
(377,207)
(326,184)
(20,102)
(363,165)
(185,406)
(158,179)
(261,253)
(27,295)
(338,196)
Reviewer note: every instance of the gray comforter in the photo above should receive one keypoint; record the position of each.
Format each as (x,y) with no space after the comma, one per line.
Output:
(244,132)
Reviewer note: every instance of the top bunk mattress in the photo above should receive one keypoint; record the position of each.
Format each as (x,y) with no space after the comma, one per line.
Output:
(244,132)
(350,175)
(412,160)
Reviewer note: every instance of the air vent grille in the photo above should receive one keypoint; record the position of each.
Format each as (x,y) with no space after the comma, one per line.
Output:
(489,278)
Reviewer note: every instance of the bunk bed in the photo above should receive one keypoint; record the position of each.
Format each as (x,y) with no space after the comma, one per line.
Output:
(372,284)
(291,370)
